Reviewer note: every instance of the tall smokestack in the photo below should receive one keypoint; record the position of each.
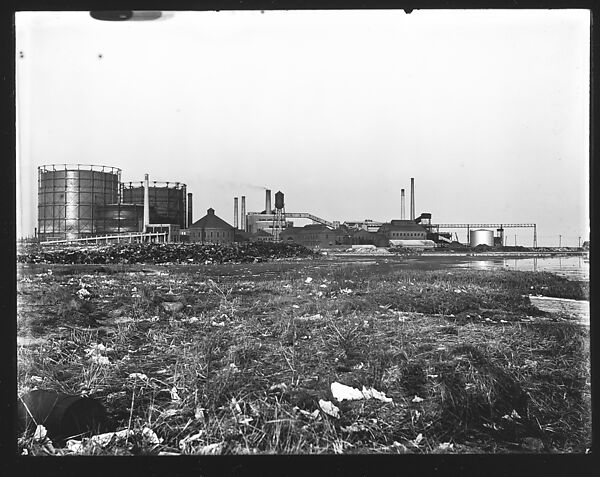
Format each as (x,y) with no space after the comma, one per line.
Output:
(412,198)
(235,212)
(243,217)
(190,217)
(146,202)
(402,212)
(268,202)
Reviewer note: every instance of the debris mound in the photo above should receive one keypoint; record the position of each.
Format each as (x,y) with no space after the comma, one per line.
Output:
(168,253)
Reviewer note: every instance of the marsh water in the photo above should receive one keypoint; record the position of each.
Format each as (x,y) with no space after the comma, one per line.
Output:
(574,268)
(571,267)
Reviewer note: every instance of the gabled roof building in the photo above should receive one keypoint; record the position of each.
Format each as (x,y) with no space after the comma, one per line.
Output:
(211,229)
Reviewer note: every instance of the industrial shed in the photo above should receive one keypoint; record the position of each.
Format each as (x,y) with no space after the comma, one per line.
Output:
(212,229)
(403,230)
(313,235)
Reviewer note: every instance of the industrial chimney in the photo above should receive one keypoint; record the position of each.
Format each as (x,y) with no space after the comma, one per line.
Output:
(412,198)
(146,202)
(402,214)
(235,212)
(190,217)
(243,215)
(268,202)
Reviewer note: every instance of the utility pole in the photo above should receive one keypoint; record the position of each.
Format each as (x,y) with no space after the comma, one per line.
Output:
(579,242)
(559,241)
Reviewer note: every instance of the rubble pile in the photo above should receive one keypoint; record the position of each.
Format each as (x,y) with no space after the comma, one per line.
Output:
(168,253)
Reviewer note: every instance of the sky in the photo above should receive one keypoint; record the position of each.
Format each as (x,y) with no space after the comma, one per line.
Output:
(487,109)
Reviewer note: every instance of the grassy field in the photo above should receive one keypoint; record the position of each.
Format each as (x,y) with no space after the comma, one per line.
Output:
(240,359)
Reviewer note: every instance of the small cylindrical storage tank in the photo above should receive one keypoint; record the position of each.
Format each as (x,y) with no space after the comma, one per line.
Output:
(68,198)
(167,198)
(481,237)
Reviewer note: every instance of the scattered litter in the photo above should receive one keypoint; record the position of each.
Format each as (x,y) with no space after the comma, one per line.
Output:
(310,415)
(97,349)
(308,280)
(97,359)
(150,436)
(140,376)
(83,293)
(104,439)
(417,399)
(347,291)
(316,317)
(211,449)
(215,323)
(373,393)
(174,395)
(169,412)
(446,446)
(417,440)
(400,446)
(75,446)
(184,444)
(278,388)
(295,306)
(172,306)
(329,408)
(342,392)
(40,433)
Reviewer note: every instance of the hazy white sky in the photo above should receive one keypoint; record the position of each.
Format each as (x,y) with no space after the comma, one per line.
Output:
(487,110)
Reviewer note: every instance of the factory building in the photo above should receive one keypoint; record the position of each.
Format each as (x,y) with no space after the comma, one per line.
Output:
(403,230)
(364,237)
(211,229)
(313,236)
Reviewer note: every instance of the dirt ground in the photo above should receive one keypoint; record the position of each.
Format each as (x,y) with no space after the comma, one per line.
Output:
(241,358)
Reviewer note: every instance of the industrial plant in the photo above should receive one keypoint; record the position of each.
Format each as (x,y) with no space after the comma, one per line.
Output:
(90,204)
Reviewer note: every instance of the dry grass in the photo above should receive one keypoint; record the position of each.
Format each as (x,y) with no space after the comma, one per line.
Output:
(241,367)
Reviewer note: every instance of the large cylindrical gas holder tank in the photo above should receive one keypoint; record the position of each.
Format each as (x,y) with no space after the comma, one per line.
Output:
(167,199)
(68,197)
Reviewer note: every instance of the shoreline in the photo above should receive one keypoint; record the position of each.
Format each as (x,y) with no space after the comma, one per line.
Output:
(463,254)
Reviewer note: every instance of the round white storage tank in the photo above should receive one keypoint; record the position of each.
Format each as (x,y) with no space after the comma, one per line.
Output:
(481,237)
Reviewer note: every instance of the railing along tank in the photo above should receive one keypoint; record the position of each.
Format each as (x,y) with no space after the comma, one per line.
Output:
(68,198)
